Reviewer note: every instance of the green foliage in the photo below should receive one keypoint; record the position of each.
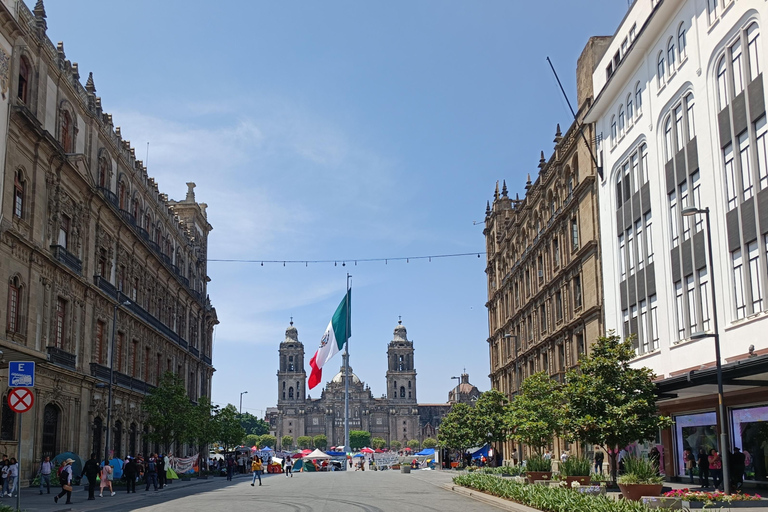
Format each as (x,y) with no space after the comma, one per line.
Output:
(286,442)
(204,426)
(267,440)
(231,433)
(489,416)
(168,397)
(640,470)
(610,403)
(414,444)
(576,466)
(304,442)
(429,443)
(538,463)
(535,415)
(320,441)
(251,440)
(503,470)
(457,428)
(359,439)
(378,443)
(252,424)
(395,445)
(546,498)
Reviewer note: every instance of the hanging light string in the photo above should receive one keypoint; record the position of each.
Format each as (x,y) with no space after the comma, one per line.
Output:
(351,261)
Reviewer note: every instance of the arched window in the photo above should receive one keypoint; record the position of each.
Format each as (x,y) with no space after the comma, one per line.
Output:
(18,194)
(132,440)
(614,133)
(135,210)
(402,391)
(67,135)
(638,99)
(737,60)
(668,148)
(50,446)
(409,384)
(122,195)
(8,422)
(118,439)
(14,305)
(24,73)
(621,119)
(661,69)
(681,42)
(689,115)
(753,43)
(290,392)
(103,172)
(630,109)
(722,84)
(98,426)
(671,56)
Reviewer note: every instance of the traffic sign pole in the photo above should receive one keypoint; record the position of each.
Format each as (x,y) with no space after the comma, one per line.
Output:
(17,483)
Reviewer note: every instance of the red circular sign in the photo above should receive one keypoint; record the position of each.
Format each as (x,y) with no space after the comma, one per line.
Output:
(21,400)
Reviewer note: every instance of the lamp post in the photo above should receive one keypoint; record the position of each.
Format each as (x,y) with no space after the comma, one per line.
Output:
(241,402)
(517,387)
(724,448)
(111,375)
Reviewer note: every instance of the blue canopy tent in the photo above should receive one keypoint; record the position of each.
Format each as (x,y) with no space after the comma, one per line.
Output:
(482,452)
(426,452)
(267,449)
(337,454)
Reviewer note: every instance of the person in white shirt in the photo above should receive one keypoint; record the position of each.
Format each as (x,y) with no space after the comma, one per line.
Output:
(13,477)
(46,467)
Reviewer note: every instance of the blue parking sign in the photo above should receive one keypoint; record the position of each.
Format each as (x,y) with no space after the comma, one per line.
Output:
(21,374)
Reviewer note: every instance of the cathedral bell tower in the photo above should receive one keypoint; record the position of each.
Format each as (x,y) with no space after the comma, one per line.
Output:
(401,375)
(291,377)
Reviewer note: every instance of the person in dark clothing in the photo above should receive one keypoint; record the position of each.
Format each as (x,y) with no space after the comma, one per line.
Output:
(151,472)
(703,463)
(65,478)
(161,471)
(131,470)
(91,470)
(738,466)
(230,467)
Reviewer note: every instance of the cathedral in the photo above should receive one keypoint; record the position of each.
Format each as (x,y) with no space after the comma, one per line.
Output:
(396,416)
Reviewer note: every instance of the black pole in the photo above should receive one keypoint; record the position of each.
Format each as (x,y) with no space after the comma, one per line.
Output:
(111,379)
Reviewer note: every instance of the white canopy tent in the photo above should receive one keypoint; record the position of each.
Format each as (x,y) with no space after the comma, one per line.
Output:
(317,455)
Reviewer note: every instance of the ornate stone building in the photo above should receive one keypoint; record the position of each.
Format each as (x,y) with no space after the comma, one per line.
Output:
(396,416)
(544,271)
(86,238)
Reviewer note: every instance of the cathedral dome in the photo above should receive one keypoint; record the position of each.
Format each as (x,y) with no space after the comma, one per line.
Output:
(400,333)
(291,334)
(339,377)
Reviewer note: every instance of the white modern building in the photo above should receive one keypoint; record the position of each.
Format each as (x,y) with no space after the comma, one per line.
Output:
(681,121)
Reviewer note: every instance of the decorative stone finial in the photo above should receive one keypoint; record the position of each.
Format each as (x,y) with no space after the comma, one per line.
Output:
(528,183)
(504,189)
(496,192)
(89,86)
(542,161)
(39,10)
(75,71)
(487,207)
(191,196)
(558,135)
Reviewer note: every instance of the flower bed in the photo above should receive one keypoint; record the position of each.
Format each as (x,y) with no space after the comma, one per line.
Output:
(700,499)
(547,498)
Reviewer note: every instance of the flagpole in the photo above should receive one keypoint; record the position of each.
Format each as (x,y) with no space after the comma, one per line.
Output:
(346,373)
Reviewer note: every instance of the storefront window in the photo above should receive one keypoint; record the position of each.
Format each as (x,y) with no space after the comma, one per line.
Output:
(750,433)
(694,432)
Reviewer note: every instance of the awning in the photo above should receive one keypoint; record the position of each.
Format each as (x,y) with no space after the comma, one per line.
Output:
(426,451)
(317,454)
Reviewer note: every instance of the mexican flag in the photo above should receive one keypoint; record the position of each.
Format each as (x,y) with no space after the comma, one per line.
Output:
(333,340)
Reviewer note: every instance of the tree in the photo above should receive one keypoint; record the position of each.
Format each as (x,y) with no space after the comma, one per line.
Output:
(456,429)
(378,443)
(395,445)
(610,403)
(286,442)
(231,433)
(169,395)
(203,428)
(413,444)
(429,443)
(251,440)
(534,416)
(359,439)
(252,424)
(267,440)
(489,416)
(320,441)
(304,442)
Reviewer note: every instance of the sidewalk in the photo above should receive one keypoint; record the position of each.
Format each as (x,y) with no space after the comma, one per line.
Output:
(33,501)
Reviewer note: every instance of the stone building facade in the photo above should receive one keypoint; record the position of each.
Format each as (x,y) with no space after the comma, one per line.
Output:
(544,271)
(396,416)
(86,238)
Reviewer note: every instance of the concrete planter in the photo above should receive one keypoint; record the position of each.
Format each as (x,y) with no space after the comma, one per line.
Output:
(405,469)
(533,476)
(678,504)
(634,492)
(583,480)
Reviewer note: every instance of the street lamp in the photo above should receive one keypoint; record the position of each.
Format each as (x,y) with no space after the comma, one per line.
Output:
(241,402)
(688,212)
(112,374)
(517,381)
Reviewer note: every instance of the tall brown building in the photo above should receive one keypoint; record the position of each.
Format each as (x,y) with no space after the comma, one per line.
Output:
(99,267)
(544,271)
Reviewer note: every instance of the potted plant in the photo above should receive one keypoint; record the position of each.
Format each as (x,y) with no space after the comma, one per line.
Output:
(576,469)
(538,468)
(640,478)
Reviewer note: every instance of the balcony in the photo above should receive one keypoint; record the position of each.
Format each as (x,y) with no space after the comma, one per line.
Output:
(109,196)
(67,258)
(194,351)
(206,360)
(105,286)
(128,217)
(62,358)
(102,372)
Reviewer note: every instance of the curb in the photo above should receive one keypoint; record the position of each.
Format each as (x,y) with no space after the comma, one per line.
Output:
(511,506)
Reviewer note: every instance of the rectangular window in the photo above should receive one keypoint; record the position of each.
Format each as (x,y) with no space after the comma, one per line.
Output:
(543,317)
(625,323)
(762,154)
(649,237)
(61,311)
(679,313)
(642,328)
(64,232)
(654,330)
(99,349)
(644,163)
(738,284)
(633,313)
(631,250)
(18,195)
(559,305)
(679,137)
(746,169)
(704,294)
(730,176)
(118,358)
(683,203)
(574,233)
(695,200)
(577,291)
(622,258)
(754,277)
(712,8)
(690,289)
(674,230)
(635,171)
(736,60)
(556,250)
(689,113)
(753,43)
(640,248)
(13,306)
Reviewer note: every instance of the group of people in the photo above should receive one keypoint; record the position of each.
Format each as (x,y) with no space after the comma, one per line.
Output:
(9,476)
(711,465)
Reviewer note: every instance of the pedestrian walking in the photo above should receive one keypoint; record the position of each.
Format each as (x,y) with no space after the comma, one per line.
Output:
(703,462)
(288,466)
(4,467)
(46,467)
(738,466)
(161,480)
(715,468)
(151,472)
(689,459)
(230,467)
(131,471)
(13,476)
(599,458)
(91,471)
(256,467)
(65,478)
(106,479)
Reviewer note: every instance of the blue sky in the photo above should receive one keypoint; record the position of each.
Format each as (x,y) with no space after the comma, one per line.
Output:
(338,130)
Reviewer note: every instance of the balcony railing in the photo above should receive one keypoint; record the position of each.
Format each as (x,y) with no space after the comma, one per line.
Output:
(102,372)
(129,218)
(105,286)
(67,258)
(62,358)
(195,352)
(206,359)
(109,196)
